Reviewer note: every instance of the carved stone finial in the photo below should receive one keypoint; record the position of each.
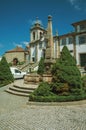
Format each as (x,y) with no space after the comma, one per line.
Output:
(56,33)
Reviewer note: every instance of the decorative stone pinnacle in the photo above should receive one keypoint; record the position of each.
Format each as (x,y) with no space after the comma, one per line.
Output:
(37,18)
(49,17)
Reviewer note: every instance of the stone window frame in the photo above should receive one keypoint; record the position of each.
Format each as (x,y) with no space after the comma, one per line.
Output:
(82,27)
(82,39)
(64,41)
(70,40)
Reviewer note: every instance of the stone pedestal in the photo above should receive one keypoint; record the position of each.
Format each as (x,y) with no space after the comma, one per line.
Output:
(47,78)
(32,78)
(35,78)
(49,59)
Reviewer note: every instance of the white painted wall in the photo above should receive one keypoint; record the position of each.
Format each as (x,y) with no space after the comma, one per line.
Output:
(79,50)
(0,58)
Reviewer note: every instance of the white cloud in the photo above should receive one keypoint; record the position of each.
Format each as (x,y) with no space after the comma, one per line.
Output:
(77,7)
(16,44)
(76,4)
(72,1)
(21,44)
(25,43)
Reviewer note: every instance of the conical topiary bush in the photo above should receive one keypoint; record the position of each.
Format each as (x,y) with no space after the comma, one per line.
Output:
(65,71)
(6,76)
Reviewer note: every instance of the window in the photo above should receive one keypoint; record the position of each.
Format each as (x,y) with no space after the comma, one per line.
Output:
(33,35)
(70,40)
(83,59)
(17,71)
(64,41)
(82,39)
(82,27)
(15,61)
(43,53)
(44,45)
(33,59)
(33,46)
(40,45)
(41,35)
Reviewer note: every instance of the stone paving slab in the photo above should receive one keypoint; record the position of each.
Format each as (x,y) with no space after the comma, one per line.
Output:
(15,114)
(45,118)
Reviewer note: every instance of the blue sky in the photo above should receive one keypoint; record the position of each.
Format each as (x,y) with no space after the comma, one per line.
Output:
(17,16)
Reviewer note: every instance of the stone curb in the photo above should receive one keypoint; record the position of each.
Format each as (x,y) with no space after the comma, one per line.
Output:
(78,103)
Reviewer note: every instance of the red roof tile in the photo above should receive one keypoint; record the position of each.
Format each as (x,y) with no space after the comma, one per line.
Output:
(17,49)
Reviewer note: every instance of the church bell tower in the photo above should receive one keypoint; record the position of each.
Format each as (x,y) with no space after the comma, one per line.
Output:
(36,31)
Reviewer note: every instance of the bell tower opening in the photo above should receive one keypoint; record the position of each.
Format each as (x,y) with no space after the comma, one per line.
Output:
(33,35)
(36,30)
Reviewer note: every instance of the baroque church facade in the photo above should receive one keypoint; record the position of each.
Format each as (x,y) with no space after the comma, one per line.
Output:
(41,37)
(75,41)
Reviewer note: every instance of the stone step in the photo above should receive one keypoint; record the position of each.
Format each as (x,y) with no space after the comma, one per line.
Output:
(21,89)
(13,88)
(28,87)
(17,93)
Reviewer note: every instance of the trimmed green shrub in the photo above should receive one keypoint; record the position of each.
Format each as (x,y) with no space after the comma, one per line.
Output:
(43,89)
(84,82)
(10,64)
(56,98)
(66,71)
(66,85)
(6,76)
(21,63)
(60,88)
(41,66)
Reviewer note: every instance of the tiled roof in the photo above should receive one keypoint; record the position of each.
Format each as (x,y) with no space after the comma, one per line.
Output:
(17,49)
(80,22)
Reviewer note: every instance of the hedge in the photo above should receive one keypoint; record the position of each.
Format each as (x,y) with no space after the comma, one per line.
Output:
(56,98)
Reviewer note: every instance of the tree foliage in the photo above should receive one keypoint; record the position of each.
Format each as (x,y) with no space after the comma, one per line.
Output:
(66,84)
(41,67)
(43,89)
(6,76)
(66,71)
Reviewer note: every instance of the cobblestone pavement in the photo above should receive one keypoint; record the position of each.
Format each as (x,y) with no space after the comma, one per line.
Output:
(15,114)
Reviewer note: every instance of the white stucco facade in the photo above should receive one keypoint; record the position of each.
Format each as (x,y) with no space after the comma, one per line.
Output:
(38,42)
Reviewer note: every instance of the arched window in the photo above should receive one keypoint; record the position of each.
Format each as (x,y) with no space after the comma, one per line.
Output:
(33,35)
(43,53)
(41,34)
(15,61)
